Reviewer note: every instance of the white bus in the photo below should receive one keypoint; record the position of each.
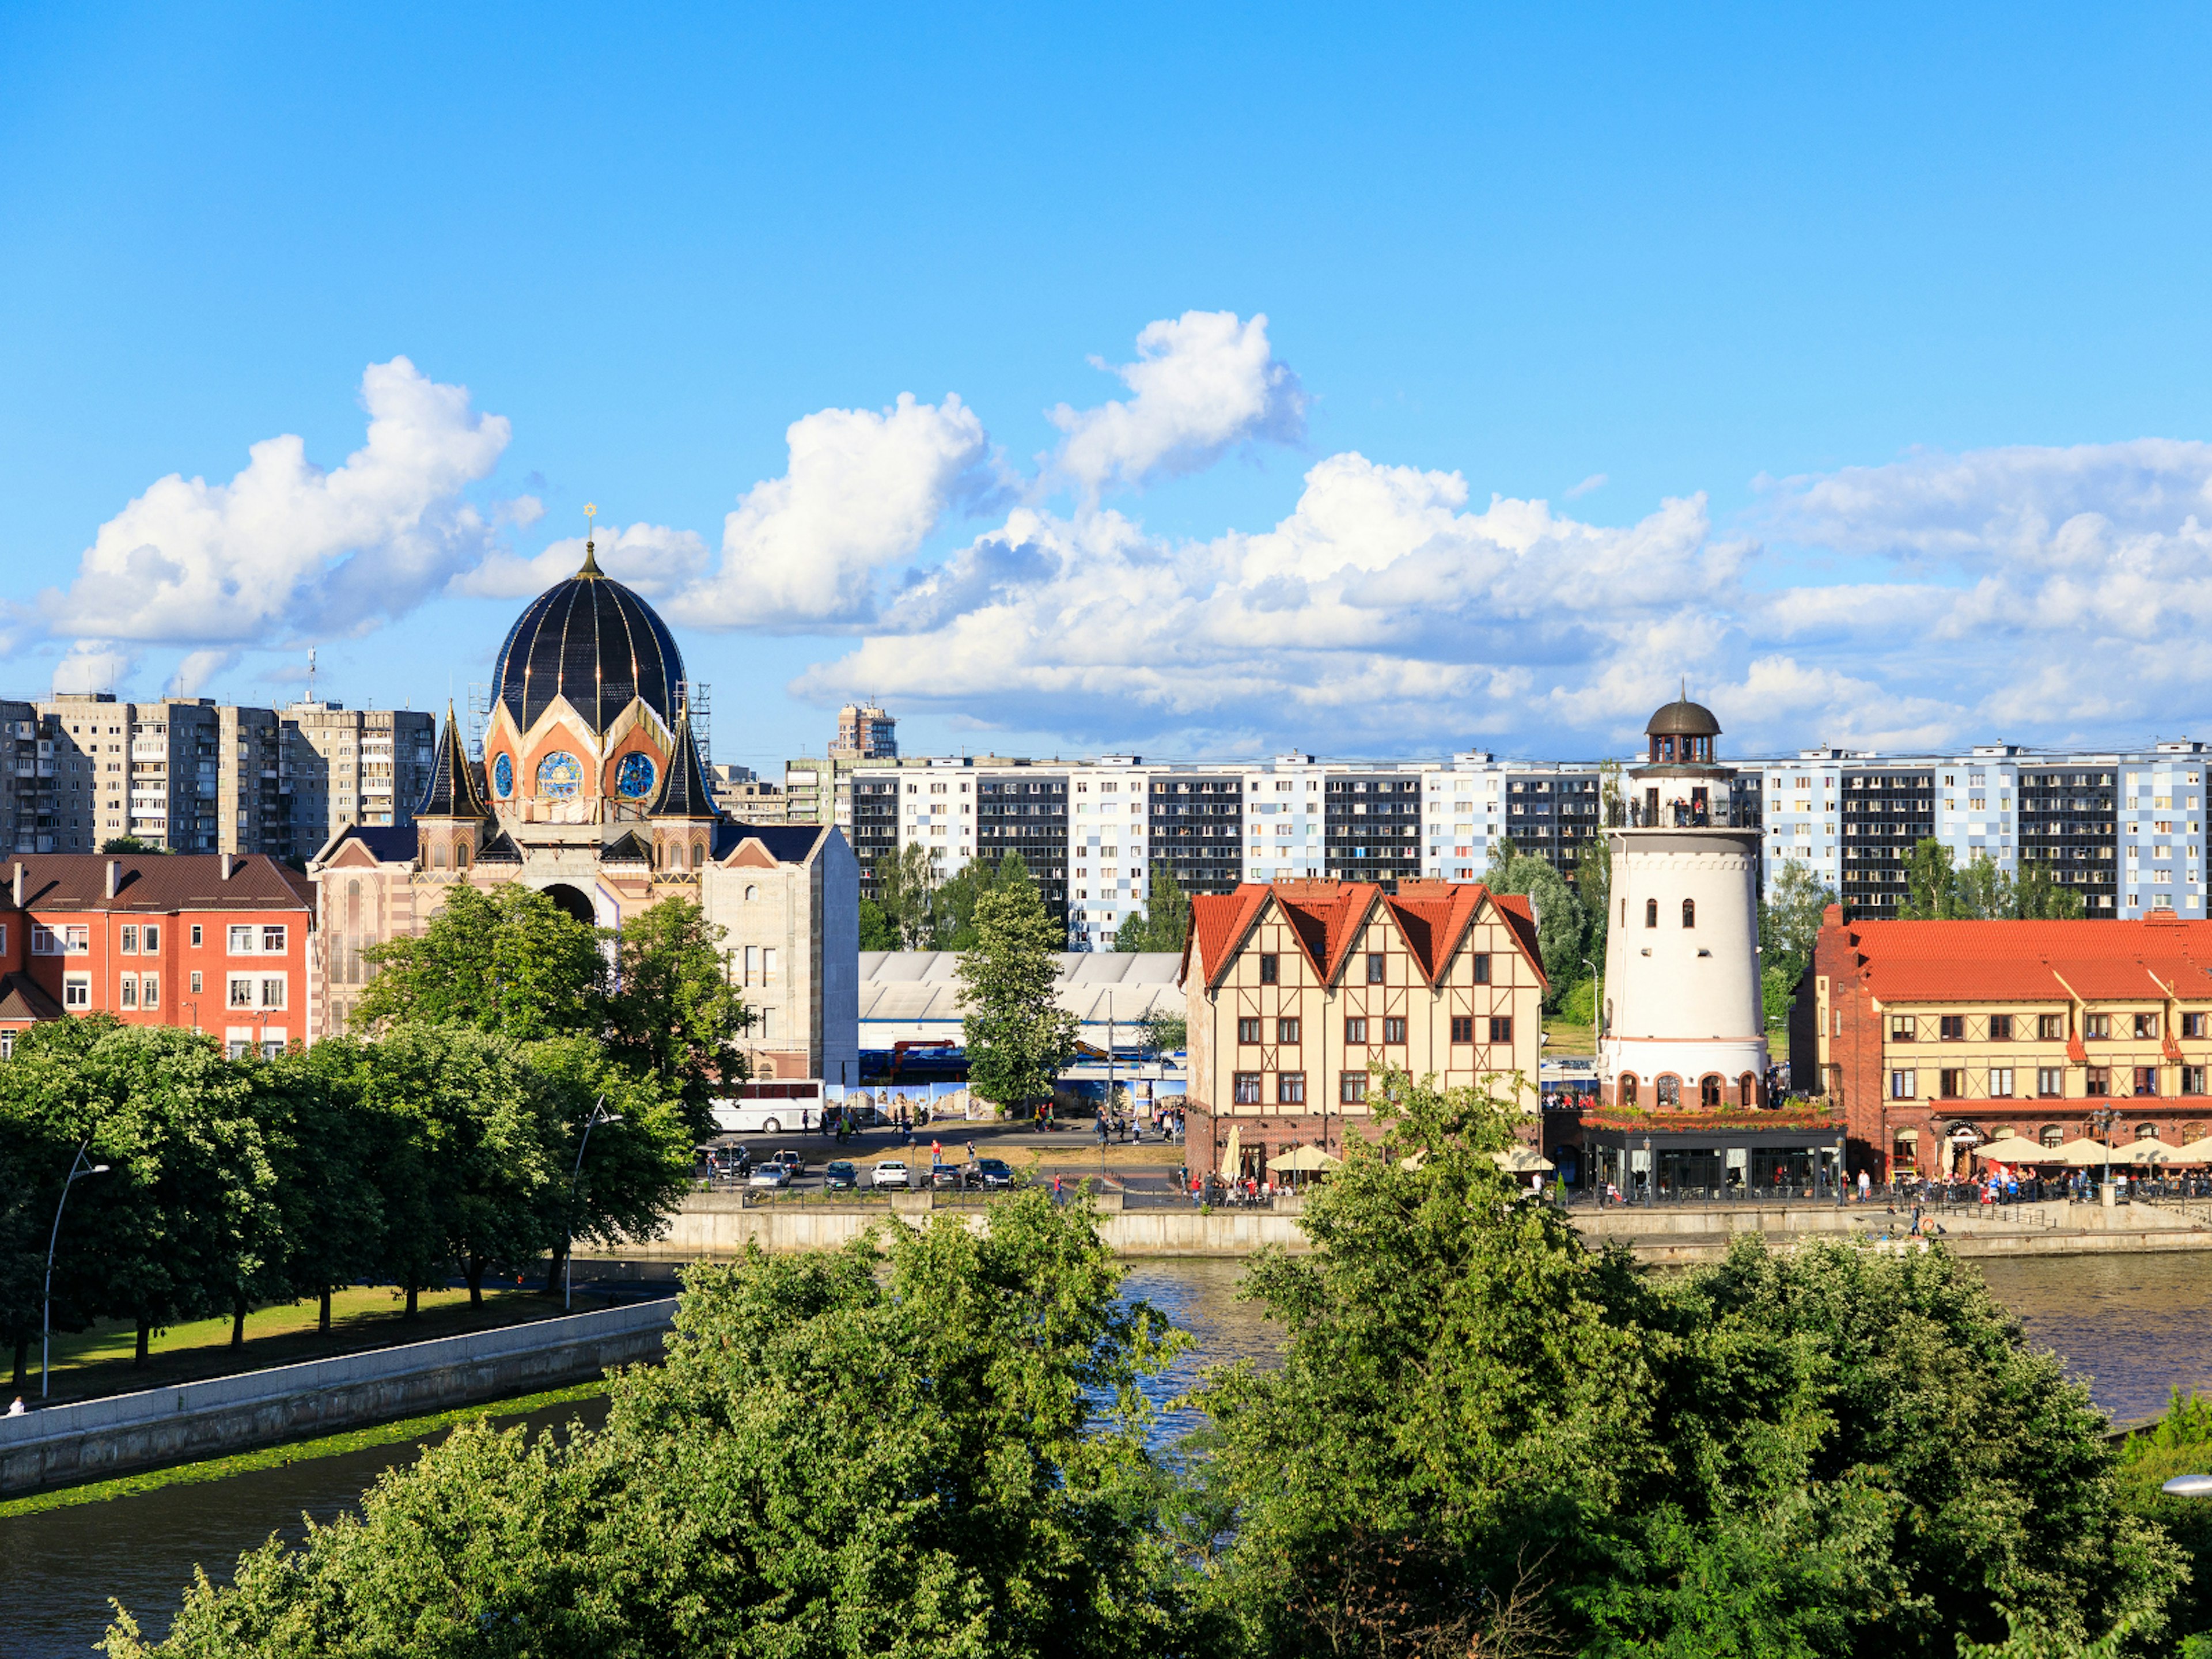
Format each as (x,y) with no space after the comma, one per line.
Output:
(770,1109)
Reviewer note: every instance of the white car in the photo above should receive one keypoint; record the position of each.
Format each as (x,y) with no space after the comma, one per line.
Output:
(769,1175)
(892,1173)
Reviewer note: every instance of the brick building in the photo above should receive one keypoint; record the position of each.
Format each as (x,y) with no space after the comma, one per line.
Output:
(213,942)
(1935,1036)
(1294,990)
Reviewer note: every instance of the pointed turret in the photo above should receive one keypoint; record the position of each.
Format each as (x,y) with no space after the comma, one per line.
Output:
(684,813)
(449,821)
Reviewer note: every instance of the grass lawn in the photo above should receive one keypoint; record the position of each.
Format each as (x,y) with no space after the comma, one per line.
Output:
(1567,1039)
(99,1361)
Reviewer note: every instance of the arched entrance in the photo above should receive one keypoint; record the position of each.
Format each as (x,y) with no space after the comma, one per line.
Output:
(574,902)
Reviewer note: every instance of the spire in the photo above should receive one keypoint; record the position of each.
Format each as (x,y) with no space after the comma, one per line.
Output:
(590,566)
(453,792)
(684,792)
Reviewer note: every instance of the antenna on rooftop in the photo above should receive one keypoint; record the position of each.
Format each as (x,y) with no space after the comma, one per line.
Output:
(311,673)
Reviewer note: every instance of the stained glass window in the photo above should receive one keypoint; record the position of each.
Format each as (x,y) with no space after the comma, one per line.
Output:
(633,777)
(502,776)
(560,775)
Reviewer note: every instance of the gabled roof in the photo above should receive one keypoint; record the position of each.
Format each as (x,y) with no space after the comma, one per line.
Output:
(626,848)
(2029,961)
(1326,917)
(453,791)
(786,843)
(684,792)
(22,998)
(382,842)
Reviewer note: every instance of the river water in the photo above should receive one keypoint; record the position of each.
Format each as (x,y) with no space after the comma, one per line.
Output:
(2134,1327)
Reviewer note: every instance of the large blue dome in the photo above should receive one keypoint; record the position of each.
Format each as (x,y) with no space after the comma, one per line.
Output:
(593,641)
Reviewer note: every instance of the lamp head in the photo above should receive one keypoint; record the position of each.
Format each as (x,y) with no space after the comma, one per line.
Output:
(97,1169)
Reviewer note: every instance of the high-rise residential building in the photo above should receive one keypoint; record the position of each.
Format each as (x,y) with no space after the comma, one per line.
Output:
(189,775)
(740,792)
(864,731)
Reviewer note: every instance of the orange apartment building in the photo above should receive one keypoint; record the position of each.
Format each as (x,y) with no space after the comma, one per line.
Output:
(214,942)
(1294,990)
(1936,1036)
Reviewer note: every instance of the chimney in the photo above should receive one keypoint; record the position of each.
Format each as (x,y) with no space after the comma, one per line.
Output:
(226,867)
(114,872)
(19,884)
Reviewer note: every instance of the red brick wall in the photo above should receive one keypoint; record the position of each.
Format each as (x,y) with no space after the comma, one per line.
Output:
(1853,1040)
(173,965)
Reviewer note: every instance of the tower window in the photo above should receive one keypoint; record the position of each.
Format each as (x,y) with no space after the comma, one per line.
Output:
(1689,913)
(1651,913)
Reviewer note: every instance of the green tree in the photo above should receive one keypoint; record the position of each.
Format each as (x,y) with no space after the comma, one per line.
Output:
(1789,928)
(1165,922)
(905,885)
(130,847)
(673,1015)
(328,1148)
(1937,888)
(634,1170)
(1017,1034)
(953,902)
(2037,896)
(1165,1033)
(1560,925)
(509,960)
(34,1161)
(877,931)
(747,1497)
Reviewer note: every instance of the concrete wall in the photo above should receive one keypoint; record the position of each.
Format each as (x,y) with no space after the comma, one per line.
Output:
(98,1438)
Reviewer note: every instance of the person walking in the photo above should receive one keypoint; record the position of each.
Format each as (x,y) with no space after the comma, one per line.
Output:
(1866,1185)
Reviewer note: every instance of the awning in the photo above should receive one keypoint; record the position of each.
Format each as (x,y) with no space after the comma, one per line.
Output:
(1521,1160)
(1305,1157)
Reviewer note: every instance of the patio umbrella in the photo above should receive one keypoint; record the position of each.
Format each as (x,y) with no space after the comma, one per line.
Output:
(1305,1158)
(2013,1149)
(2084,1154)
(2146,1151)
(2196,1151)
(1232,1155)
(1521,1160)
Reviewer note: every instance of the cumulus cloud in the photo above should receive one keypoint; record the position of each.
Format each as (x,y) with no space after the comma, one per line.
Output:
(92,666)
(285,548)
(1203,382)
(864,490)
(651,558)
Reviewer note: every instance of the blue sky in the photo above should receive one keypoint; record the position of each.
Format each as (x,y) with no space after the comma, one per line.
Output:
(1853,366)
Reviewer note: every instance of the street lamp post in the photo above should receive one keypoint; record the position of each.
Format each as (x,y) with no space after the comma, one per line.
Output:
(600,1114)
(78,1169)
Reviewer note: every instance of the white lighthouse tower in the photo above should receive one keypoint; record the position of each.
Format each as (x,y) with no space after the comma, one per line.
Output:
(1684,1024)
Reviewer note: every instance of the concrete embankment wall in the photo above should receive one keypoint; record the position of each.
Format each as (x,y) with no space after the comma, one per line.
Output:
(98,1438)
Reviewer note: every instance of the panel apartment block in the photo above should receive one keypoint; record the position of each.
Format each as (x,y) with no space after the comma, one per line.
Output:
(1024,810)
(2161,831)
(1198,828)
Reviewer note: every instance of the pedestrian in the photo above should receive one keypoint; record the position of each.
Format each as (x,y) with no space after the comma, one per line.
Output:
(971,1151)
(936,1155)
(18,1408)
(1055,1189)
(1866,1185)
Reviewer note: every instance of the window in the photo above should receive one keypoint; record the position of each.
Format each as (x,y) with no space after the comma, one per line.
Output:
(1268,974)
(2000,1082)
(1651,913)
(150,993)
(1481,967)
(127,991)
(1290,1088)
(2001,1028)
(7,1045)
(1501,1028)
(272,992)
(1287,1030)
(241,991)
(1394,1031)
(1709,1090)
(2052,1137)
(1463,1028)
(152,936)
(2096,1026)
(1954,1083)
(1248,1031)
(1689,913)
(1669,1090)
(196,982)
(2192,1025)
(2192,1079)
(60,941)
(2099,1081)
(1247,1088)
(1374,967)
(77,990)
(196,934)
(1355,1030)
(2051,1028)
(2145,1079)
(2050,1081)
(2146,1026)
(1903,1085)
(1352,1088)
(1952,1027)
(1902,1027)
(129,942)
(241,941)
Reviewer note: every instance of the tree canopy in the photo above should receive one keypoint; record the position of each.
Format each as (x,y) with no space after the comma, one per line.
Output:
(1163,922)
(915,910)
(1938,889)
(673,1015)
(508,960)
(1018,1036)
(1561,924)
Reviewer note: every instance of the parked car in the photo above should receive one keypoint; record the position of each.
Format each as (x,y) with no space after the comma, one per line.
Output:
(770,1174)
(892,1173)
(841,1176)
(793,1162)
(991,1172)
(944,1176)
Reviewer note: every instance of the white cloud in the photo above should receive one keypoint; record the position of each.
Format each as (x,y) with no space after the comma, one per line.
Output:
(1595,481)
(1204,382)
(864,490)
(92,666)
(286,547)
(198,667)
(651,558)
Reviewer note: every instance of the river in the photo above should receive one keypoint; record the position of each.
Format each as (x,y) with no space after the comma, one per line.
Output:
(2135,1326)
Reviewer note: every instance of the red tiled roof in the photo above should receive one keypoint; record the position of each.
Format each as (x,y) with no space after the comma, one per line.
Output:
(1326,916)
(2032,961)
(155,883)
